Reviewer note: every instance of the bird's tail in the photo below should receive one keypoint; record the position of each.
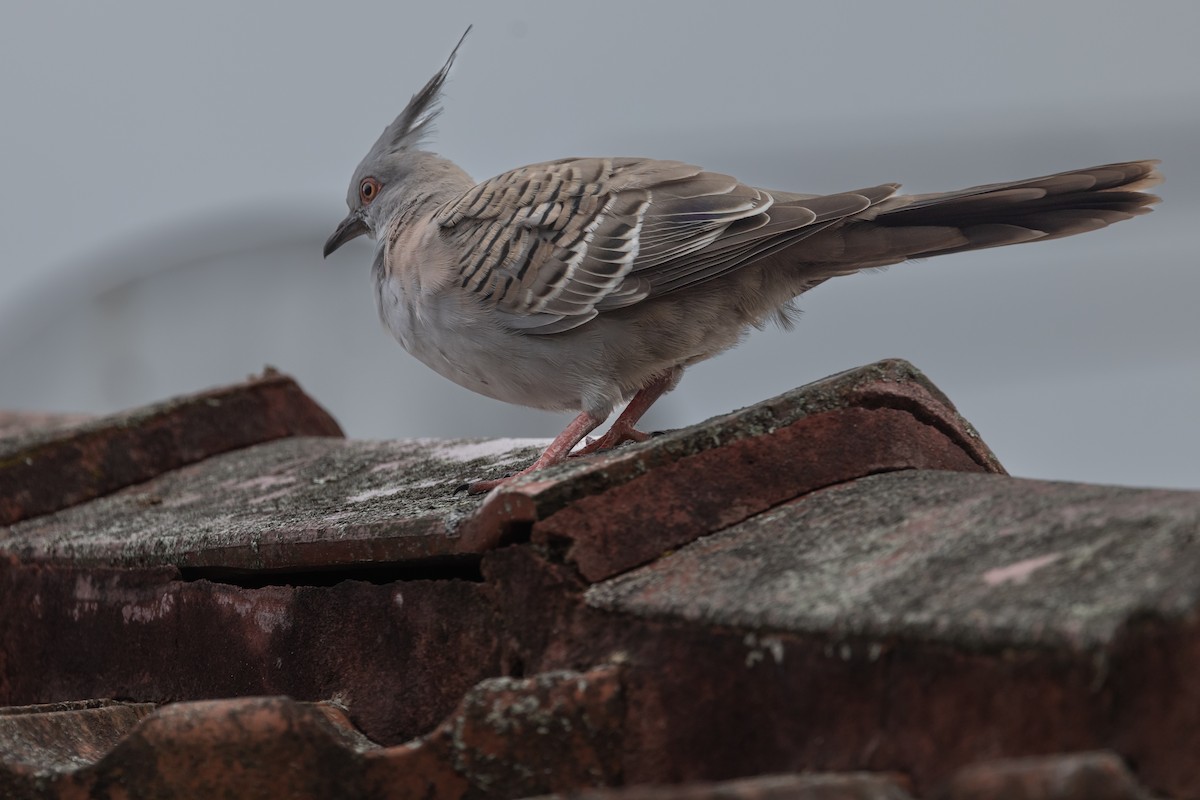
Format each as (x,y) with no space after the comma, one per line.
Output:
(919,226)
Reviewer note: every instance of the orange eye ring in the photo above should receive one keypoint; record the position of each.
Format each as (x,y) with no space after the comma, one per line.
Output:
(368,190)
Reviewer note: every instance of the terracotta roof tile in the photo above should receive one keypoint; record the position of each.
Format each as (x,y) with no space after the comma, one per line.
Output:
(838,579)
(299,503)
(811,786)
(1078,776)
(295,503)
(149,635)
(508,738)
(626,507)
(20,423)
(974,561)
(57,466)
(40,743)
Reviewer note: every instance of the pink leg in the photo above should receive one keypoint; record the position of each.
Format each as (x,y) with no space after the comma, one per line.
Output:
(579,427)
(622,430)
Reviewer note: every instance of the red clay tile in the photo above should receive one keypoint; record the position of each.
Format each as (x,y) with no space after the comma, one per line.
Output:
(259,747)
(40,743)
(1154,681)
(615,511)
(978,561)
(916,622)
(1077,776)
(633,523)
(23,423)
(813,786)
(47,470)
(319,504)
(553,732)
(294,504)
(399,655)
(508,738)
(556,732)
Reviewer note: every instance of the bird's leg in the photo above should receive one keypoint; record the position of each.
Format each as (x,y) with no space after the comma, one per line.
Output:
(622,430)
(558,450)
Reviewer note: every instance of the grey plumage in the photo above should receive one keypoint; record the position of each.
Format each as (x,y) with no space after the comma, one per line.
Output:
(578,283)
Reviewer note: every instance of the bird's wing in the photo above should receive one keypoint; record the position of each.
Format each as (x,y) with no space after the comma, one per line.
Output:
(552,245)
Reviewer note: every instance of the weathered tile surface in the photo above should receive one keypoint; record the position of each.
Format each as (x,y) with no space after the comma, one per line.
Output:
(296,503)
(305,503)
(614,511)
(811,786)
(979,561)
(1075,776)
(877,596)
(55,466)
(399,654)
(39,743)
(508,738)
(556,731)
(21,423)
(245,748)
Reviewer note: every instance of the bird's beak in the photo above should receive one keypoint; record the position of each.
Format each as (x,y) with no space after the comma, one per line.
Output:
(351,227)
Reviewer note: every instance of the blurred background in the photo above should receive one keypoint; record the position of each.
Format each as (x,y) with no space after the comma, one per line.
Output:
(169,173)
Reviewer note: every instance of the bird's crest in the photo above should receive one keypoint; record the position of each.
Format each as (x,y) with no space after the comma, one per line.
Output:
(415,122)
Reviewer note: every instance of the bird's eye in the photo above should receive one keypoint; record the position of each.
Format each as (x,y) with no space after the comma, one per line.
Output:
(368,190)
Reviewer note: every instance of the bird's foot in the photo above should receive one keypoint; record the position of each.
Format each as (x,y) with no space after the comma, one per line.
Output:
(560,449)
(616,435)
(482,487)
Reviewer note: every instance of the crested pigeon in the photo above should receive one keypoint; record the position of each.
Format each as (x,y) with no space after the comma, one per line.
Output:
(583,283)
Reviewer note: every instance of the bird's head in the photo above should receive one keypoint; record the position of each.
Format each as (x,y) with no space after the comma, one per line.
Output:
(377,189)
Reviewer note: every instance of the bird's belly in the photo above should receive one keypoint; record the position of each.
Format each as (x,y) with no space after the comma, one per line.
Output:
(465,345)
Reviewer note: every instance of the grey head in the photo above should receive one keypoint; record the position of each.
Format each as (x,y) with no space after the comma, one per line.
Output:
(377,189)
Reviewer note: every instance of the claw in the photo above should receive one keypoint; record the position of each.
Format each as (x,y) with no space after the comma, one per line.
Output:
(616,436)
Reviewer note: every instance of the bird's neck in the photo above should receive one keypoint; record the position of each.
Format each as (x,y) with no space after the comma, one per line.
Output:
(431,182)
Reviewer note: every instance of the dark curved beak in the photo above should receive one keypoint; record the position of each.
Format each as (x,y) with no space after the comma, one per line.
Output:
(350,228)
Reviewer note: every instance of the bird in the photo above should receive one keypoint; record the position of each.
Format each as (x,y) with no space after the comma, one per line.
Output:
(580,284)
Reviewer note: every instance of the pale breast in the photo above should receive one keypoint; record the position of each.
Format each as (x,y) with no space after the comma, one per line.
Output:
(453,334)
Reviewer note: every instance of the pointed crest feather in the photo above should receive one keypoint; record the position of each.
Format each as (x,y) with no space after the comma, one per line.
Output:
(416,120)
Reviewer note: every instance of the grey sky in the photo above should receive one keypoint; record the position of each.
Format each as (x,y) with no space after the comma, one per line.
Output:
(218,138)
